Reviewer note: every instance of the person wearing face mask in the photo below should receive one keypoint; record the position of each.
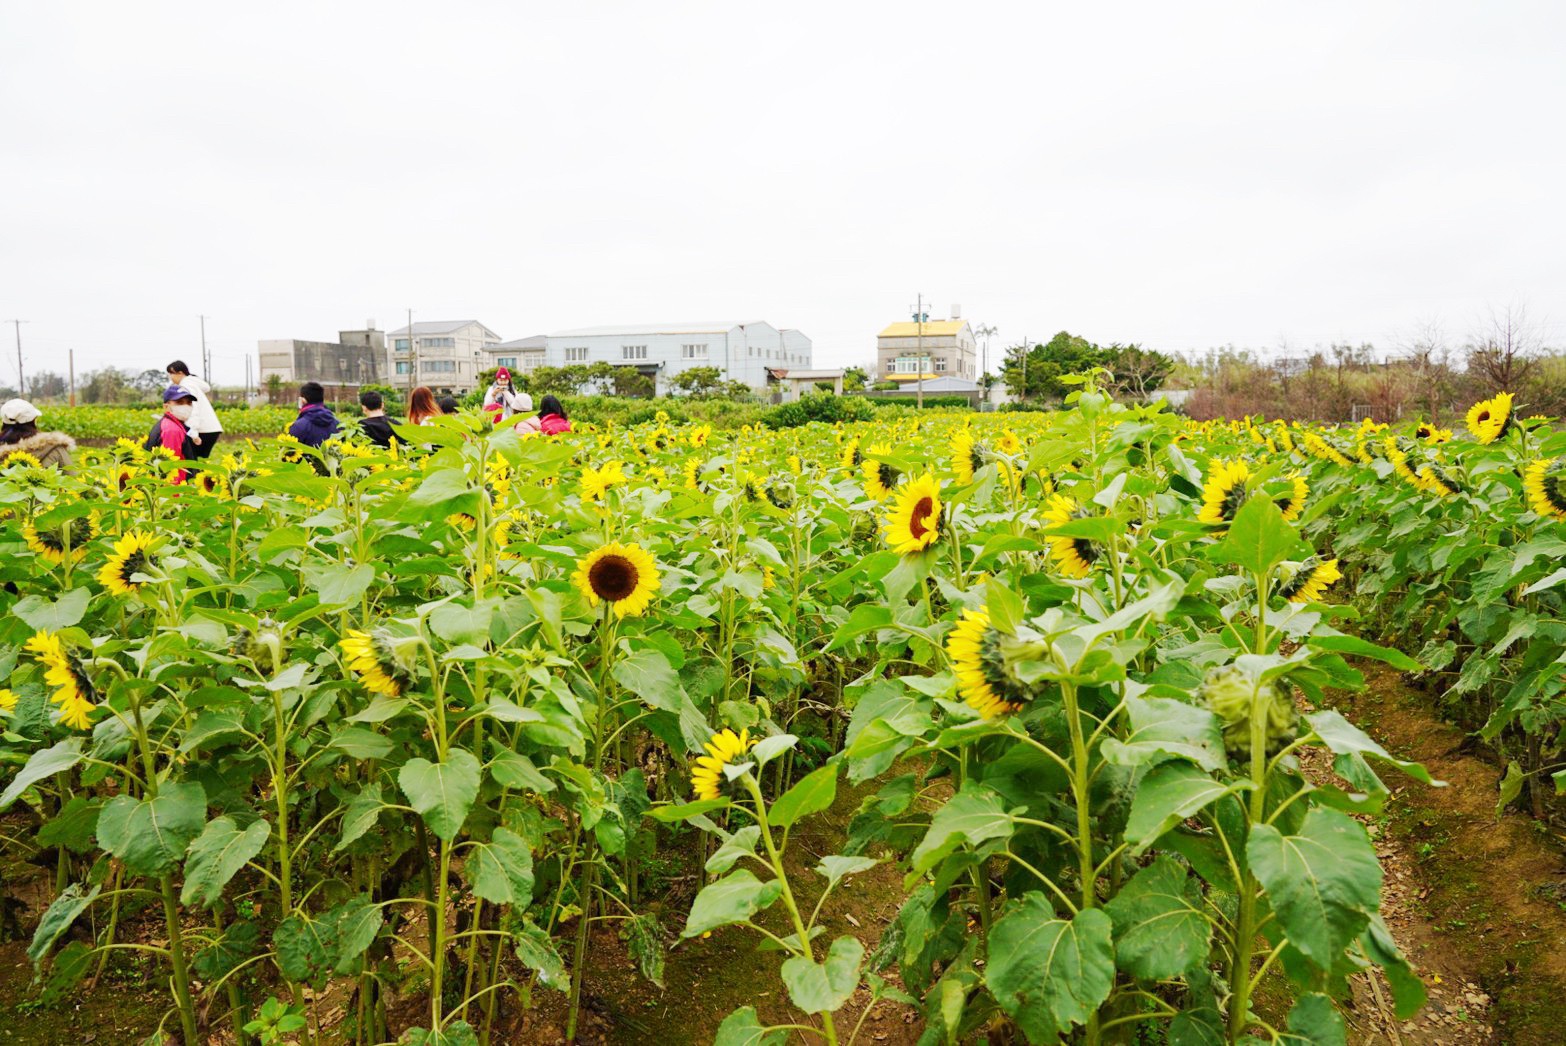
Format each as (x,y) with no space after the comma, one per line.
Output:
(316,423)
(205,429)
(172,429)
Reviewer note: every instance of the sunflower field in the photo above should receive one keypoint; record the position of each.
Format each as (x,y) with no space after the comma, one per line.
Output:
(398,726)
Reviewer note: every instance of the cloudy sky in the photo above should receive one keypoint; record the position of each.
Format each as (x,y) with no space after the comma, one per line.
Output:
(1182,175)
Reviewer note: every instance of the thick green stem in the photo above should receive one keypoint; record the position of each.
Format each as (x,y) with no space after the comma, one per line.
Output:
(579,955)
(1082,790)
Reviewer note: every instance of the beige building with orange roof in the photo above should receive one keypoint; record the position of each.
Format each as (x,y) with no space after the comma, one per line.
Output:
(948,348)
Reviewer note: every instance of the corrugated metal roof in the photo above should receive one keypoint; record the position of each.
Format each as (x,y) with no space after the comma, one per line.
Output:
(438,327)
(537,341)
(932,329)
(689,327)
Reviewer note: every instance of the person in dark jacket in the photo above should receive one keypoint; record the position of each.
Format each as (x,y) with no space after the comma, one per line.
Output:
(172,429)
(315,423)
(375,425)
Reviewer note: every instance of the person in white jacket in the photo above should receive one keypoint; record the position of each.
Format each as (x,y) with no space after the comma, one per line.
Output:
(502,401)
(205,429)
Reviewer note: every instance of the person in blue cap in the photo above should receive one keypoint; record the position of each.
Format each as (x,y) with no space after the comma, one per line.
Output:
(171,430)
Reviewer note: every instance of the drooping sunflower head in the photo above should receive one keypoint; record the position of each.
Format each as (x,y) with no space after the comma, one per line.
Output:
(1397,450)
(967,454)
(850,458)
(1310,580)
(622,575)
(1291,502)
(1224,492)
(1074,555)
(73,690)
(708,781)
(132,556)
(693,475)
(1544,481)
(913,522)
(373,656)
(1319,447)
(880,477)
(1438,481)
(780,492)
(1489,419)
(1431,434)
(50,543)
(978,659)
(751,486)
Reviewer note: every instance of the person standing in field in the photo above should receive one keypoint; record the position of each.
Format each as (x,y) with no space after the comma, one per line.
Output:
(19,435)
(503,401)
(551,419)
(315,423)
(421,406)
(172,429)
(205,429)
(375,425)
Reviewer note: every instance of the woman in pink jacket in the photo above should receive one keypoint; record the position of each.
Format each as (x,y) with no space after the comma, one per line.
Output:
(551,419)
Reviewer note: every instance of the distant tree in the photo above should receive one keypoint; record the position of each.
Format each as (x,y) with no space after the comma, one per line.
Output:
(391,397)
(633,384)
(149,384)
(1137,371)
(274,389)
(1504,351)
(1034,372)
(855,379)
(697,382)
(105,385)
(562,381)
(46,385)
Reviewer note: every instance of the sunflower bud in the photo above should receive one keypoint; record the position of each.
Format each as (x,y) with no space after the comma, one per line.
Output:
(1234,698)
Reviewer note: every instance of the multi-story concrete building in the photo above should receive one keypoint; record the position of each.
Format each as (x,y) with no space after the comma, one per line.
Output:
(446,355)
(742,350)
(522,356)
(357,357)
(948,346)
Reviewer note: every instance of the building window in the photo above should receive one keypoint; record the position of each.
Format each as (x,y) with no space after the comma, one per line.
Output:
(506,361)
(905,365)
(437,343)
(694,352)
(404,367)
(440,366)
(576,355)
(531,362)
(940,364)
(492,344)
(401,344)
(633,352)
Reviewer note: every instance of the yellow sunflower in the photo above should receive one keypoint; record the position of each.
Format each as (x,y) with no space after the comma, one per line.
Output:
(595,482)
(725,749)
(1431,434)
(794,465)
(700,435)
(851,458)
(7,701)
(1545,484)
(693,475)
(1075,556)
(1317,447)
(132,555)
(880,477)
(982,681)
(1309,582)
(1489,419)
(1438,481)
(1009,443)
(73,691)
(967,456)
(1398,456)
(1224,492)
(23,459)
(913,522)
(624,576)
(50,544)
(373,656)
(1292,503)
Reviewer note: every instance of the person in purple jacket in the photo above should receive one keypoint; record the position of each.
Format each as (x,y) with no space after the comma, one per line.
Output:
(315,423)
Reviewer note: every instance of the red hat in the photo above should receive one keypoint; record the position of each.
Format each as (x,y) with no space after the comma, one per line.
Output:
(502,374)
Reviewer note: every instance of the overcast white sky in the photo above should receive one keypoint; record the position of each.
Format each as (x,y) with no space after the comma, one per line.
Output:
(1182,175)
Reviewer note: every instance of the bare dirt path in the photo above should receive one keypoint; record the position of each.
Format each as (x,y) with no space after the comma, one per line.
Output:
(1478,902)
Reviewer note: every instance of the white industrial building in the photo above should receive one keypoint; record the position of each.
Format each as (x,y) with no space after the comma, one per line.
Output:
(742,350)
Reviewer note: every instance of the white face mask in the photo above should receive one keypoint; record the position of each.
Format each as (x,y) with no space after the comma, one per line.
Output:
(301,403)
(182,411)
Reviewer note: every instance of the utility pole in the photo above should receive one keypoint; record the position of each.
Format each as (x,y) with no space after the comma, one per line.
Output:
(206,363)
(919,354)
(21,381)
(985,331)
(71,356)
(413,357)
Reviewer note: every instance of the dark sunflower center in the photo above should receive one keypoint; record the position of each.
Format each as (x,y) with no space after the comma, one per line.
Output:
(1554,492)
(613,578)
(993,663)
(916,519)
(888,475)
(975,459)
(135,563)
(1232,500)
(1484,416)
(1084,550)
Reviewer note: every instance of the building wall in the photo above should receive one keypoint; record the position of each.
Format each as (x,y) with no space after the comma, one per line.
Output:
(450,361)
(741,353)
(960,351)
(328,362)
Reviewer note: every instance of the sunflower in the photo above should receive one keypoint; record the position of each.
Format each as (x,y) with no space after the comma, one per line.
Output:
(1224,492)
(1431,434)
(1074,556)
(751,485)
(880,477)
(132,555)
(982,680)
(1293,503)
(50,544)
(7,701)
(1544,481)
(700,435)
(1310,580)
(851,458)
(725,749)
(1285,439)
(374,658)
(795,465)
(624,576)
(1438,481)
(1398,456)
(1318,447)
(781,493)
(595,482)
(210,483)
(913,522)
(693,475)
(1009,443)
(1489,419)
(967,456)
(22,459)
(73,691)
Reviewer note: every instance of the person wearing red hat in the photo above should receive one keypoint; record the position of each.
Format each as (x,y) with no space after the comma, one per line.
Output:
(502,400)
